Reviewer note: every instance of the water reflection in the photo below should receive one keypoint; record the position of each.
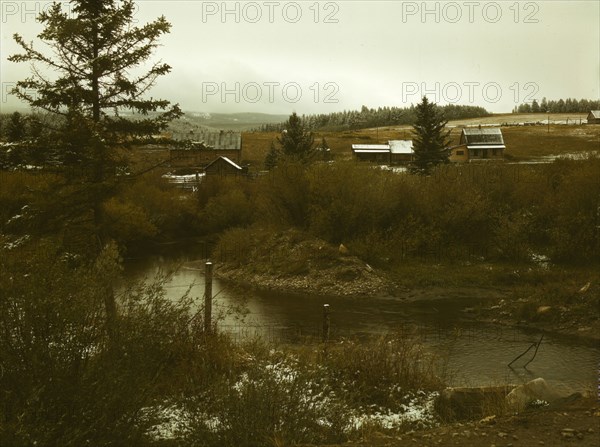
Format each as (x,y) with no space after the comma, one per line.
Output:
(475,354)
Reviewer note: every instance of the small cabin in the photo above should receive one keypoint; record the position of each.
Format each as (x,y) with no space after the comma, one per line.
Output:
(593,117)
(223,166)
(479,144)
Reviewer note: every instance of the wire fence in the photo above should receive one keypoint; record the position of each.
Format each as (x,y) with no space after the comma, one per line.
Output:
(426,333)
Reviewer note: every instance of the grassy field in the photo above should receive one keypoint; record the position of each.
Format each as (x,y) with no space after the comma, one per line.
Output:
(522,142)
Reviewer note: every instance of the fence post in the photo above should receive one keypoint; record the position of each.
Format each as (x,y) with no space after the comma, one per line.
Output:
(208,297)
(326,322)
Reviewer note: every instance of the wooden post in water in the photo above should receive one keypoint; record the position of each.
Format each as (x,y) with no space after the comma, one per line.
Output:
(326,322)
(208,297)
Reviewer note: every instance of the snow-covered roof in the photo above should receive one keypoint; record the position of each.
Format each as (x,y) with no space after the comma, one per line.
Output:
(401,146)
(371,147)
(475,135)
(482,131)
(371,151)
(595,114)
(486,146)
(235,165)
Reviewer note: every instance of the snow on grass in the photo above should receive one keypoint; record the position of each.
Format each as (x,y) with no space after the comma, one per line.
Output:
(11,245)
(418,412)
(172,422)
(305,393)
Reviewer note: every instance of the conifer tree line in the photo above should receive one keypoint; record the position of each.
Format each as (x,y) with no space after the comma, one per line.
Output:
(370,117)
(569,105)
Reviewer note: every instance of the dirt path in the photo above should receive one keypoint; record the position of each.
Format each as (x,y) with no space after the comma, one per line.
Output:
(577,424)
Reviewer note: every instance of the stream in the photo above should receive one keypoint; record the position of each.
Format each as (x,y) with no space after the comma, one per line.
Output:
(474,353)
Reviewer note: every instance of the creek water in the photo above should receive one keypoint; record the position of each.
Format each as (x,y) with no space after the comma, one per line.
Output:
(473,353)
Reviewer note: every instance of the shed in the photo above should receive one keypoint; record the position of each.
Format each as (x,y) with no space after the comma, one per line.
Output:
(372,152)
(223,166)
(483,143)
(593,117)
(396,151)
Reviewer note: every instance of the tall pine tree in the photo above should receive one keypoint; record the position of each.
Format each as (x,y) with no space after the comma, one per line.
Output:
(430,138)
(94,48)
(92,51)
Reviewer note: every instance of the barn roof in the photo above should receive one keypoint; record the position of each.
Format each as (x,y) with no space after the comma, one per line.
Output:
(216,140)
(482,136)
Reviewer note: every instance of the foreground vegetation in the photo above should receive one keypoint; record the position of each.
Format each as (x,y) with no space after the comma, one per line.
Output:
(156,378)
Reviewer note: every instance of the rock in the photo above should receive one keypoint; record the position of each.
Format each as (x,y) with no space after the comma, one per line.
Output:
(585,288)
(543,310)
(537,389)
(343,250)
(502,434)
(488,420)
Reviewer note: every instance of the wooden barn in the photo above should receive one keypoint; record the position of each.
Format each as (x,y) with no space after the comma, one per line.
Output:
(593,117)
(395,152)
(478,143)
(212,146)
(223,166)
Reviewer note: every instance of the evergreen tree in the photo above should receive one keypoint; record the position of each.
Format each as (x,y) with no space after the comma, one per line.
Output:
(272,157)
(15,129)
(430,139)
(296,142)
(95,48)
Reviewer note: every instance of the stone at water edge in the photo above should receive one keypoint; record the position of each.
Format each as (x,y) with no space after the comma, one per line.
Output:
(537,389)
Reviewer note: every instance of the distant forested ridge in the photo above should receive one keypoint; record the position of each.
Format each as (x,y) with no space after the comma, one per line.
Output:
(569,105)
(382,116)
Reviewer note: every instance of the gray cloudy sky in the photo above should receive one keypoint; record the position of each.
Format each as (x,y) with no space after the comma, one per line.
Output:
(319,57)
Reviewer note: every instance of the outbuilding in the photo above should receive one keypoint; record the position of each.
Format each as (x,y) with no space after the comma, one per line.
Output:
(593,117)
(223,166)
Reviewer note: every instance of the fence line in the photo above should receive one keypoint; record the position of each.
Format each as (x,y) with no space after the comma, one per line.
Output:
(435,333)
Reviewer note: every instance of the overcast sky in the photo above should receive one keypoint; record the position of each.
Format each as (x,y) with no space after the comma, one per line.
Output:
(319,57)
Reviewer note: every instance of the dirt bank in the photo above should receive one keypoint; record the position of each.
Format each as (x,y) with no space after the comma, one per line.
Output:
(576,424)
(293,262)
